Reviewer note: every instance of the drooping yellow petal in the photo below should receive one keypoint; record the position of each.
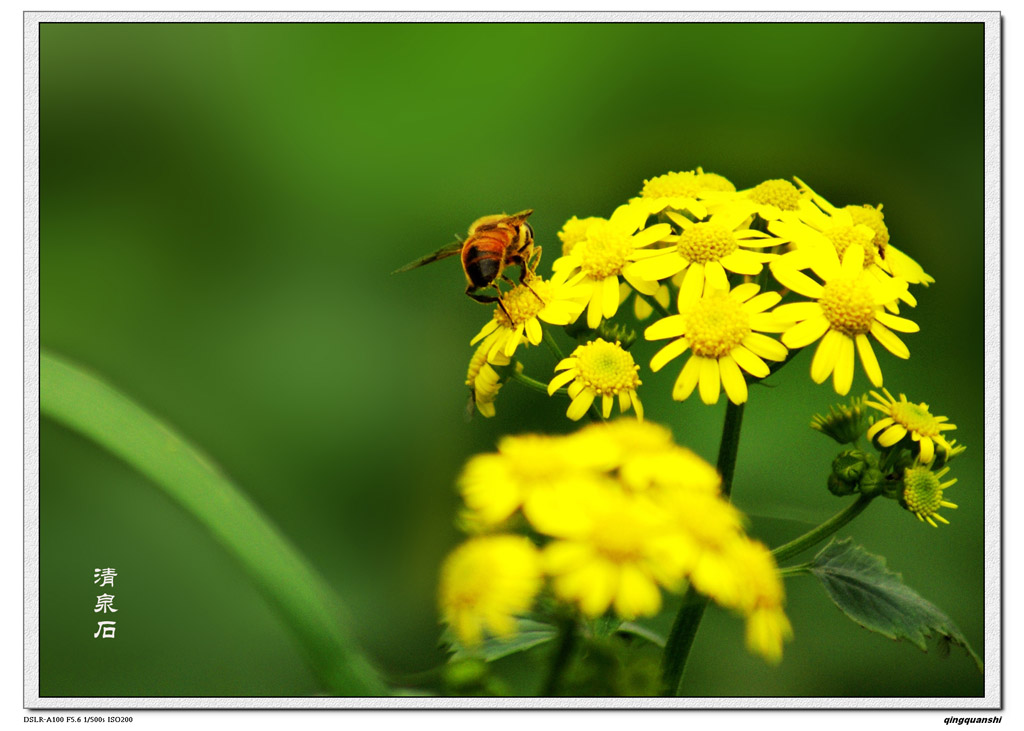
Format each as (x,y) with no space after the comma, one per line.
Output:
(868,360)
(710,382)
(750,362)
(889,340)
(843,375)
(825,356)
(687,379)
(732,380)
(580,404)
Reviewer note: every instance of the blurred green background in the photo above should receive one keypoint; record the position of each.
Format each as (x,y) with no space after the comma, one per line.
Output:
(221,206)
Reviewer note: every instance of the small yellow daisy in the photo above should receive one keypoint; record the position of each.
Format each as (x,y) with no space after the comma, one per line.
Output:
(684,191)
(922,493)
(903,417)
(723,330)
(704,250)
(847,307)
(819,224)
(615,551)
(599,368)
(596,263)
(485,582)
(772,200)
(575,231)
(517,319)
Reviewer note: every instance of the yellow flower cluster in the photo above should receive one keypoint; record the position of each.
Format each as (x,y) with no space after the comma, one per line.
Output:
(619,512)
(720,239)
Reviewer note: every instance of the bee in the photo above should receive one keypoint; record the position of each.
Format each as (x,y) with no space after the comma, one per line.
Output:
(494,243)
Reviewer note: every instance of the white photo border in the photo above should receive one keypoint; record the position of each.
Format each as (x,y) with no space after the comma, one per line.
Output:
(992,700)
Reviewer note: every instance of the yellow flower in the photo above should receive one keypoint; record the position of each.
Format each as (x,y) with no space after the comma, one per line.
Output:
(575,231)
(847,307)
(483,381)
(607,252)
(682,191)
(704,250)
(772,200)
(818,224)
(922,493)
(626,513)
(615,550)
(485,582)
(495,485)
(518,316)
(767,628)
(599,368)
(896,262)
(723,332)
(903,417)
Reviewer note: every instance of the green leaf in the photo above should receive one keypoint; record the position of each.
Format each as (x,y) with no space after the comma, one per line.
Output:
(637,630)
(529,634)
(876,598)
(80,401)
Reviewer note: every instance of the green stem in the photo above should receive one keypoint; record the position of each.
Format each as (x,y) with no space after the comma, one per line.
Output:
(804,568)
(823,531)
(308,605)
(595,414)
(533,383)
(687,621)
(550,342)
(730,445)
(680,640)
(560,661)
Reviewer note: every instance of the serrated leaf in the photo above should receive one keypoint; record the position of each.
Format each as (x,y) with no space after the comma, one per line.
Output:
(529,634)
(876,598)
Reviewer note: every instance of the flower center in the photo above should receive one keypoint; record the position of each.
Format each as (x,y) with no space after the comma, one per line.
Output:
(915,417)
(848,305)
(842,237)
(714,181)
(523,302)
(779,193)
(620,539)
(672,185)
(873,218)
(922,491)
(704,242)
(716,325)
(574,231)
(605,250)
(606,368)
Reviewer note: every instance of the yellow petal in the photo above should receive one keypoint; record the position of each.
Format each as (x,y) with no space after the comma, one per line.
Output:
(825,356)
(580,404)
(692,287)
(806,332)
(667,327)
(732,380)
(868,360)
(560,380)
(889,340)
(687,379)
(796,281)
(611,296)
(710,382)
(842,377)
(750,362)
(892,435)
(765,346)
(670,351)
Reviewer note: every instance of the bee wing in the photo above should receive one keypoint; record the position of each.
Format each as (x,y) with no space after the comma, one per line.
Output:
(445,251)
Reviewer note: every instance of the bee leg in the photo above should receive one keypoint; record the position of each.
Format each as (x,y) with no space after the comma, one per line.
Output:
(487,299)
(524,270)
